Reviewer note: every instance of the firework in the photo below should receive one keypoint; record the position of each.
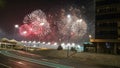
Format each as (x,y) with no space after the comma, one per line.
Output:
(69,27)
(25,30)
(35,16)
(37,23)
(72,25)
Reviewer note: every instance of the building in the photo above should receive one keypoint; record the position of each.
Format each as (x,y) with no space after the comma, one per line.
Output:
(107,27)
(107,19)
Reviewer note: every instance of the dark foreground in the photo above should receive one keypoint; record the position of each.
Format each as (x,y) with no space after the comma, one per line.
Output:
(7,62)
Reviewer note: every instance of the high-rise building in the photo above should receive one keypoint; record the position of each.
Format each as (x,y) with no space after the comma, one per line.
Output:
(107,19)
(107,27)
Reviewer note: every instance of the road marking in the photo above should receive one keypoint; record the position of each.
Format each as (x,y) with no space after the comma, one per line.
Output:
(19,62)
(5,65)
(50,60)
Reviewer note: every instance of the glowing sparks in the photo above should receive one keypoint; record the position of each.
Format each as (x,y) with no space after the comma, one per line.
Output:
(37,23)
(72,25)
(25,30)
(42,24)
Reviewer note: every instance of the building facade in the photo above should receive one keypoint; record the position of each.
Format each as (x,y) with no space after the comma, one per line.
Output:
(107,19)
(107,27)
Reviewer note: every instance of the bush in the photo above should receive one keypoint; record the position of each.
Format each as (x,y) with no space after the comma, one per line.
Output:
(73,49)
(60,47)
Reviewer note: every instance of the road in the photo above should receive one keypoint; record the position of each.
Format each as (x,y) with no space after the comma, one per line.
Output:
(7,62)
(15,61)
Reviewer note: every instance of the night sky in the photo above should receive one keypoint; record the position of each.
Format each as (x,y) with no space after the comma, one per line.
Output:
(13,11)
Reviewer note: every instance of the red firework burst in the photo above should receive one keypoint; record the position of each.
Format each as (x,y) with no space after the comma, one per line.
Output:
(37,24)
(36,28)
(25,30)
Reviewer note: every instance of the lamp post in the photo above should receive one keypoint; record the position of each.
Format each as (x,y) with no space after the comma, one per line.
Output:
(68,48)
(90,36)
(16,26)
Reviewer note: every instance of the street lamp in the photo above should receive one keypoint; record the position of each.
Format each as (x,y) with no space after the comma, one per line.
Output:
(29,42)
(73,44)
(68,16)
(68,45)
(22,41)
(55,43)
(43,43)
(25,41)
(16,30)
(90,37)
(49,43)
(34,42)
(63,45)
(38,42)
(16,26)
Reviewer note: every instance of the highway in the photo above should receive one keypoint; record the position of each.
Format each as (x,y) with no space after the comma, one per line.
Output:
(16,61)
(8,62)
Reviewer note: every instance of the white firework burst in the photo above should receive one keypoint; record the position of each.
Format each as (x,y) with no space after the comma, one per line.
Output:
(38,23)
(72,25)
